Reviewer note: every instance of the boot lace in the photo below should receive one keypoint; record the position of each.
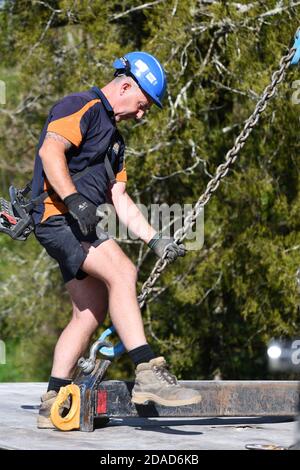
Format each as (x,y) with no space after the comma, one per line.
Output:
(164,375)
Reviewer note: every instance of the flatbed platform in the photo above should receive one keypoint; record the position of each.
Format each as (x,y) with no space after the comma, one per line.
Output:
(19,404)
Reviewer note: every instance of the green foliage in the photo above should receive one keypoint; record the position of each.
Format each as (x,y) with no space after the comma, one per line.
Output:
(222,304)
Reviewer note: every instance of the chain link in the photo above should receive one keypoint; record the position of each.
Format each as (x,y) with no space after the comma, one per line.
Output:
(298,279)
(221,172)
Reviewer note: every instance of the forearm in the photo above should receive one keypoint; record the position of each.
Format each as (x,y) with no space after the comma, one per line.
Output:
(131,216)
(57,172)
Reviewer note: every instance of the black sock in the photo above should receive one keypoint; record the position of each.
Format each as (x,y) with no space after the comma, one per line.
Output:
(141,354)
(55,383)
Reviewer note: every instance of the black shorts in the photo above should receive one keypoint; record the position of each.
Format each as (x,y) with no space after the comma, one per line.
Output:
(61,236)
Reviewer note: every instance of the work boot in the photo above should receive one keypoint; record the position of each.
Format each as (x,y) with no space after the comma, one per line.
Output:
(153,382)
(47,400)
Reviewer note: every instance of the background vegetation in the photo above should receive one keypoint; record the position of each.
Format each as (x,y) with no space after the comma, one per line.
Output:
(216,309)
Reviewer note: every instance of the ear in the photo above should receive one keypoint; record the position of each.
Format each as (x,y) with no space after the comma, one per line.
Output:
(125,86)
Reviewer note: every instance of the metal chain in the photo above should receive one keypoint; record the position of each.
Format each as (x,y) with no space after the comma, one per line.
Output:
(298,279)
(221,172)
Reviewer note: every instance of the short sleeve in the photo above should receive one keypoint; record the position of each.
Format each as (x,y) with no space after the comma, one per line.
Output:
(71,118)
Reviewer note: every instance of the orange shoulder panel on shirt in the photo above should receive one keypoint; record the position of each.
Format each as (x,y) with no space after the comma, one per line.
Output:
(69,126)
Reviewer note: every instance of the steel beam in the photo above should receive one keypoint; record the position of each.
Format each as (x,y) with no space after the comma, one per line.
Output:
(219,398)
(112,398)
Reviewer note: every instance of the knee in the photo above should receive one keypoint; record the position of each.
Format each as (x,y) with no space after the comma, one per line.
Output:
(86,322)
(132,272)
(127,271)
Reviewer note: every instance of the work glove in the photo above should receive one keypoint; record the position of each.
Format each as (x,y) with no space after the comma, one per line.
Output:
(82,210)
(159,245)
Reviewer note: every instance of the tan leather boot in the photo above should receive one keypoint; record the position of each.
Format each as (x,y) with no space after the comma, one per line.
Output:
(47,400)
(154,382)
(43,419)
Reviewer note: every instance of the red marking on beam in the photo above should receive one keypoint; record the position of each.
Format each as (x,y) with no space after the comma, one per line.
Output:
(102,402)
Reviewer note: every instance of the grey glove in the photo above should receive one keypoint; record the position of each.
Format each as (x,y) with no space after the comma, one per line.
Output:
(159,245)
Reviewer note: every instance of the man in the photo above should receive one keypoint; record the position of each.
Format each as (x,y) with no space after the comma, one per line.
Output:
(79,132)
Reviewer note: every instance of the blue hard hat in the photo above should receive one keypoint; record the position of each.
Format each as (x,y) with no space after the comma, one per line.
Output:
(147,71)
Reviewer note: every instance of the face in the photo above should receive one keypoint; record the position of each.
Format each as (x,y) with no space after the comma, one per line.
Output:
(132,102)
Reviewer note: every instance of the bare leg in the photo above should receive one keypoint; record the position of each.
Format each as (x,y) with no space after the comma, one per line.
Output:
(110,270)
(90,303)
(108,263)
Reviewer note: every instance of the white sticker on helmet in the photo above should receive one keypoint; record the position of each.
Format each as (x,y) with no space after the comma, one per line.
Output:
(141,65)
(151,78)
